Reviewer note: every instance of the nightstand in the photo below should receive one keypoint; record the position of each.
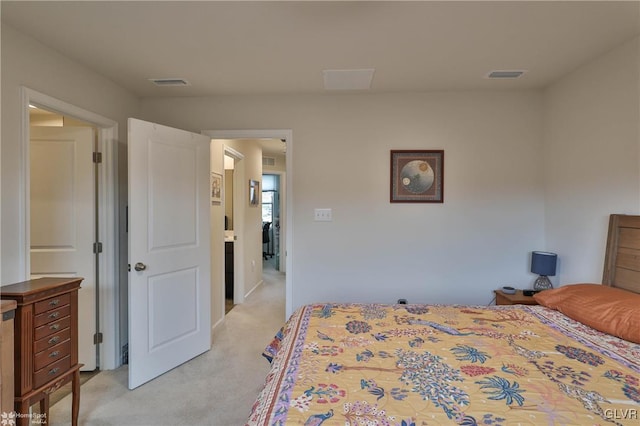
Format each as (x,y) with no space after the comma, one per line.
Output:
(514,299)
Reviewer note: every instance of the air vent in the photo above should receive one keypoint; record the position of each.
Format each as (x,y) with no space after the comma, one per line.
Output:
(508,74)
(359,79)
(169,81)
(268,161)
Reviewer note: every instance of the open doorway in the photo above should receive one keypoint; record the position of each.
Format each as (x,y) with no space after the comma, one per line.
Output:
(102,349)
(271,217)
(274,168)
(63,185)
(232,226)
(252,263)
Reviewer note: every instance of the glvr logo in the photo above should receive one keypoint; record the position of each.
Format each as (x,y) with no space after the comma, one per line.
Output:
(621,413)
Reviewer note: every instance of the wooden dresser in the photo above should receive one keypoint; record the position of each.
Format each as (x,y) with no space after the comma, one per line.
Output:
(45,343)
(7,307)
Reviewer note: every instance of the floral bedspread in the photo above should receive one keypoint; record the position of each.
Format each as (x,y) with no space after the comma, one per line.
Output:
(367,364)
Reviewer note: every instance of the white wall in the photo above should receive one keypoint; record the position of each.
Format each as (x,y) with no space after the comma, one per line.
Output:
(280,166)
(591,155)
(252,227)
(28,63)
(217,244)
(459,251)
(25,62)
(496,172)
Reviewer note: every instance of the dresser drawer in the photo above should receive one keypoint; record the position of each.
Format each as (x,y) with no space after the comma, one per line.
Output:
(54,353)
(52,303)
(51,371)
(52,327)
(51,340)
(52,315)
(45,344)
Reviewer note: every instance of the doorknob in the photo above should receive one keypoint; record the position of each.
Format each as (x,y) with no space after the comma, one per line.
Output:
(140,266)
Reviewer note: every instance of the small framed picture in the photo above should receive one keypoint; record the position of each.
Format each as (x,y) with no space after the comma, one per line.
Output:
(254,192)
(216,188)
(417,176)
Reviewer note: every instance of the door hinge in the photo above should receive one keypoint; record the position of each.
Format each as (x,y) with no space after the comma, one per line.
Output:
(97,248)
(97,157)
(97,338)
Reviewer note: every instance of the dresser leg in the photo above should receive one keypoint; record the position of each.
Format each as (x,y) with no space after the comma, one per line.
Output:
(22,414)
(44,410)
(75,403)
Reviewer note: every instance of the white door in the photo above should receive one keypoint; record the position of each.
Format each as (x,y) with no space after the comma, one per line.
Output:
(169,246)
(63,218)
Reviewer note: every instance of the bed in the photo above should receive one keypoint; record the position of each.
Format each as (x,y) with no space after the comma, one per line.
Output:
(572,360)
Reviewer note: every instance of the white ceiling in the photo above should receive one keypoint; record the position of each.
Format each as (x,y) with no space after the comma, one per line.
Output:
(283,47)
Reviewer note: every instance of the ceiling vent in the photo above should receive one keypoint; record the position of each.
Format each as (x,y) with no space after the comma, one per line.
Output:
(268,161)
(169,81)
(508,74)
(348,79)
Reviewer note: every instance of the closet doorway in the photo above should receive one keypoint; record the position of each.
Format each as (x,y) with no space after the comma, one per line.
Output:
(60,184)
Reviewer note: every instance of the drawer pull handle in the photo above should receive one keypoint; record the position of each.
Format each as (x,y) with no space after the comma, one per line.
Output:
(54,326)
(54,339)
(54,371)
(54,315)
(54,302)
(54,354)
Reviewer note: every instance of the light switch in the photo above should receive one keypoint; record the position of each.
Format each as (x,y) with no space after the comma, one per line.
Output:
(322,215)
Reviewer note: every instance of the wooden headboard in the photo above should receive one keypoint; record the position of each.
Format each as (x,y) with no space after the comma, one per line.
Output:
(622,258)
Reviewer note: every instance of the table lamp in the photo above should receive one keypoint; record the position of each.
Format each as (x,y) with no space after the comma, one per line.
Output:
(543,263)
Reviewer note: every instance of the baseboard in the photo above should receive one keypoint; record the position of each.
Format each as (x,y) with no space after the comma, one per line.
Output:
(217,324)
(254,288)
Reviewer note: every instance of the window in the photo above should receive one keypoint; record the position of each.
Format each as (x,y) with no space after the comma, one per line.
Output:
(267,206)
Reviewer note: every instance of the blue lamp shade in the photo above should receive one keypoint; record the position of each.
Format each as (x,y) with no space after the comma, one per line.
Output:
(543,263)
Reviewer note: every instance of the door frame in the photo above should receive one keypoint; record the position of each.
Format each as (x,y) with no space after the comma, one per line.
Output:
(282,192)
(238,225)
(107,290)
(287,223)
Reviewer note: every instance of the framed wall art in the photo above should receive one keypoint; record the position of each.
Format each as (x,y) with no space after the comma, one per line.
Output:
(417,176)
(216,188)
(254,192)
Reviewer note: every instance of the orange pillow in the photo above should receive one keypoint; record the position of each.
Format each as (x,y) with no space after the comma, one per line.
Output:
(610,310)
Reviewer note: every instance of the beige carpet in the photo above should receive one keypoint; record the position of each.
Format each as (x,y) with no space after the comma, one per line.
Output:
(217,388)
